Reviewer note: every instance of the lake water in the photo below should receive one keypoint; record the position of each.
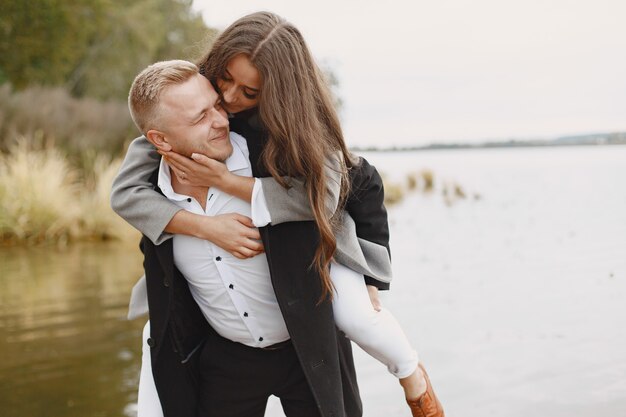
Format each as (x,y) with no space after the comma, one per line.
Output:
(66,347)
(513,296)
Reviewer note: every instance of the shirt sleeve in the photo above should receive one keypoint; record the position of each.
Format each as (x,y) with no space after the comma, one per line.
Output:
(260,212)
(133,196)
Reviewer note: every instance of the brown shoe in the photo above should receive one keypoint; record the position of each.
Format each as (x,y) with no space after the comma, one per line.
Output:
(427,405)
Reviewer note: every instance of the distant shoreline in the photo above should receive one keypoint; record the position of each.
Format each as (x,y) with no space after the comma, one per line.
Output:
(598,139)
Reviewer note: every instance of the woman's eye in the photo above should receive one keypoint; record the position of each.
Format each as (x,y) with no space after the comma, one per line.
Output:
(250,96)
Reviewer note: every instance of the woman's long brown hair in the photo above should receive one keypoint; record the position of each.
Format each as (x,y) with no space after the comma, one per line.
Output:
(297,111)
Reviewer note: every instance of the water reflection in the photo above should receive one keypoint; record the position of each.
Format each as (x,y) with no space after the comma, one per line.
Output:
(67,349)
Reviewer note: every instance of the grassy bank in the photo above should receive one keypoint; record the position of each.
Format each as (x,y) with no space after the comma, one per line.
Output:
(58,157)
(46,198)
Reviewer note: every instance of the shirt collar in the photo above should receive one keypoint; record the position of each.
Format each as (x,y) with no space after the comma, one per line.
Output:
(237,160)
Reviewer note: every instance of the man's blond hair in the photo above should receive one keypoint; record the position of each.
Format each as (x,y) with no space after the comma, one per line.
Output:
(145,92)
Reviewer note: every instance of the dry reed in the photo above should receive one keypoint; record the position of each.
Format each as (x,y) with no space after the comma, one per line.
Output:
(424,181)
(428,179)
(37,190)
(44,199)
(98,220)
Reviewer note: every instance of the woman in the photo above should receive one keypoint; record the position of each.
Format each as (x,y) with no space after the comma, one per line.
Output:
(269,81)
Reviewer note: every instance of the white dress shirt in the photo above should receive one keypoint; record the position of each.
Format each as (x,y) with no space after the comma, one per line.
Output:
(235,295)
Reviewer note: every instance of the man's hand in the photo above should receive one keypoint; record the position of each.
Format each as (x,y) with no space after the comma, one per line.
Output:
(201,171)
(373,293)
(234,233)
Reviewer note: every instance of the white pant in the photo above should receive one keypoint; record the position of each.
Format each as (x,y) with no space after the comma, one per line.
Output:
(376,332)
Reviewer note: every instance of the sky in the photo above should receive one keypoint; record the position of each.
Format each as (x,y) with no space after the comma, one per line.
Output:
(454,71)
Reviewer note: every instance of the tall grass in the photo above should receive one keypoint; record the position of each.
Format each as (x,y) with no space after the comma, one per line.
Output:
(37,194)
(97,218)
(43,198)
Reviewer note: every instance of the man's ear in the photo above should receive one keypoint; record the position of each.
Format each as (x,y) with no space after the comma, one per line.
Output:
(157,138)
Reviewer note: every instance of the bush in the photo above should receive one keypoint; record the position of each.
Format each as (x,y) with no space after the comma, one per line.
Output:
(73,124)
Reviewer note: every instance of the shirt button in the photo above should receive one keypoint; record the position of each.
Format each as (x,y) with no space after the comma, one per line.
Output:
(231,286)
(260,339)
(189,200)
(245,314)
(218,258)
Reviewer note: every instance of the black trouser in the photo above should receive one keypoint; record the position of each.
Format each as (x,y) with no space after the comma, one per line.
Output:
(236,381)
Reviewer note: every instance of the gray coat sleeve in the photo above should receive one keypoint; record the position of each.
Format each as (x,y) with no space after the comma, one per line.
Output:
(292,204)
(133,197)
(360,255)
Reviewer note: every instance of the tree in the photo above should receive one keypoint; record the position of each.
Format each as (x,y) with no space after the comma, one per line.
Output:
(94,47)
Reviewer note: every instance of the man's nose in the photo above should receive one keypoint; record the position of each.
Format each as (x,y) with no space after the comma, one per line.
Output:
(219,119)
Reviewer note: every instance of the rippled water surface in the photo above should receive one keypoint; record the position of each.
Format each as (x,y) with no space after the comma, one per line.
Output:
(66,347)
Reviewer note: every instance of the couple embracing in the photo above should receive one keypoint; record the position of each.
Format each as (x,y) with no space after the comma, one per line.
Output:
(265,241)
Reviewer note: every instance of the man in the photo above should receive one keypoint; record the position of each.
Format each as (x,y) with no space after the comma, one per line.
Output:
(219,340)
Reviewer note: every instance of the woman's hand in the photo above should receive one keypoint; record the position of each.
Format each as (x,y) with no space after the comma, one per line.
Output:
(234,233)
(373,293)
(201,171)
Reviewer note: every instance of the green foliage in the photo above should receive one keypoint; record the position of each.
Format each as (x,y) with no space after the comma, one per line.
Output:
(94,47)
(42,40)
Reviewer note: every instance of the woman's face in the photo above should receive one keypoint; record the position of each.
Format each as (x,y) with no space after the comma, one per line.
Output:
(240,85)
